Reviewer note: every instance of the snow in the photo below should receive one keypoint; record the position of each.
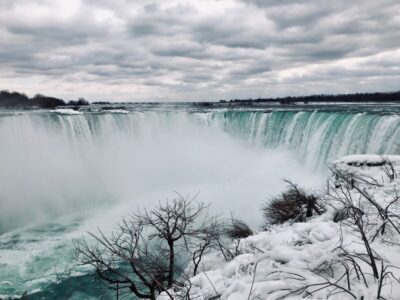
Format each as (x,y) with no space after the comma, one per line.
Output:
(280,254)
(367,159)
(273,263)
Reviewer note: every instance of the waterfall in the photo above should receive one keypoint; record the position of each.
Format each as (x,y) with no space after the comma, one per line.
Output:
(316,137)
(52,156)
(62,175)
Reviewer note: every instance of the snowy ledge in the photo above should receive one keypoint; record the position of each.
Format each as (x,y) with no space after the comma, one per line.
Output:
(280,262)
(369,160)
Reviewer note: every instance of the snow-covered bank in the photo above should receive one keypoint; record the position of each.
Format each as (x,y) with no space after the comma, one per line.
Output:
(367,160)
(352,251)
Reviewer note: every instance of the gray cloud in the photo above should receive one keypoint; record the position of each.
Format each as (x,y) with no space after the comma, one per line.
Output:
(200,49)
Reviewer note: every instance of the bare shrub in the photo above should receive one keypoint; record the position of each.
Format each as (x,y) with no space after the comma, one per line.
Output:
(388,168)
(237,229)
(293,204)
(141,255)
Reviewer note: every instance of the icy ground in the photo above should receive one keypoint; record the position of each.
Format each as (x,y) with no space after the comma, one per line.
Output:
(313,260)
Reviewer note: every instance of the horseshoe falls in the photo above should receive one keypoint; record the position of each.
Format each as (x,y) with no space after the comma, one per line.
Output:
(316,137)
(64,173)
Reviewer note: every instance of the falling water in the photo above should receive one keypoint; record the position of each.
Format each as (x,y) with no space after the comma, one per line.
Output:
(316,137)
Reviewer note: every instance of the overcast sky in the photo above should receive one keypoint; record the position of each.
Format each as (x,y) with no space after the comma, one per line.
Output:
(198,49)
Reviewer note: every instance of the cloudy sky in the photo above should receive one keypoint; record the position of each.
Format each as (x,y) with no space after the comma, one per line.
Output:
(178,50)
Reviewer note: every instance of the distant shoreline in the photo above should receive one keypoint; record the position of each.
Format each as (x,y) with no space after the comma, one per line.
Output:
(339,98)
(15,100)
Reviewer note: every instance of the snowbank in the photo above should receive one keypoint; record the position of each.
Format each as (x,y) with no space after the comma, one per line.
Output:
(280,262)
(275,260)
(369,160)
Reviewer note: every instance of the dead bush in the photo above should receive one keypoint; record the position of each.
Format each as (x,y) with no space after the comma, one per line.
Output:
(237,229)
(293,204)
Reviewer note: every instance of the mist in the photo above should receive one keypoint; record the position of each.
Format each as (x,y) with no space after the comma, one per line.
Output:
(57,164)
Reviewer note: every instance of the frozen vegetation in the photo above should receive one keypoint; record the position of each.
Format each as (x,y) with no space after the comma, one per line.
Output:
(351,251)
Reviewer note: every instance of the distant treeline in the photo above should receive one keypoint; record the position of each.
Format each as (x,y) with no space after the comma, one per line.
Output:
(19,100)
(22,101)
(359,97)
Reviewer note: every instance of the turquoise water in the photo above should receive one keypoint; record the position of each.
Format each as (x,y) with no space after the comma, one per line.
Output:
(316,137)
(63,175)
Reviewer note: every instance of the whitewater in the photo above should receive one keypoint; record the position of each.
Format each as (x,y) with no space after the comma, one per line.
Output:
(64,172)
